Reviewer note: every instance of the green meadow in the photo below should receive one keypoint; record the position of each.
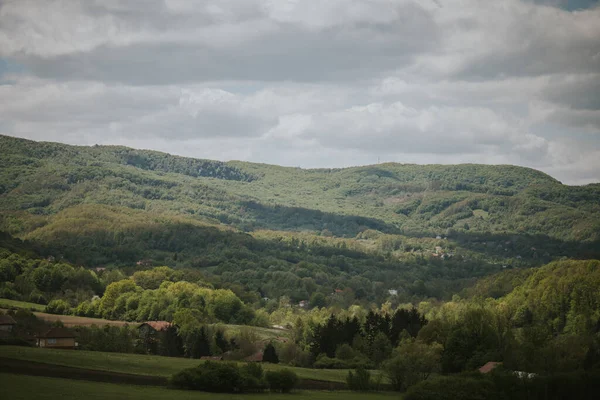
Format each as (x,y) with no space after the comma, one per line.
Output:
(20,387)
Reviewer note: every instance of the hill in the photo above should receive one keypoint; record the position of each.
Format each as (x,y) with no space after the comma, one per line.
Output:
(422,230)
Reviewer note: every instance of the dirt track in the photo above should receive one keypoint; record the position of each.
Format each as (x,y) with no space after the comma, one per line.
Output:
(13,366)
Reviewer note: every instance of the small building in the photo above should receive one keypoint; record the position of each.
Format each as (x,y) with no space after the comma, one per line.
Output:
(57,338)
(393,292)
(149,327)
(7,323)
(489,367)
(303,304)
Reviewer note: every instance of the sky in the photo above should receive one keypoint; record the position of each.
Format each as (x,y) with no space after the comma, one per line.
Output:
(311,83)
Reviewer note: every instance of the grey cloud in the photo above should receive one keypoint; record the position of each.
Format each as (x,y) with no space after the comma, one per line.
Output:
(312,84)
(580,92)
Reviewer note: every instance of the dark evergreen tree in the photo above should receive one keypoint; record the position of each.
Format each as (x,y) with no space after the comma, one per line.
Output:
(270,354)
(201,345)
(221,341)
(170,343)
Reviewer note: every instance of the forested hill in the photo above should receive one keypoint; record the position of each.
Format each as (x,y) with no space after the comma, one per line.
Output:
(40,180)
(424,231)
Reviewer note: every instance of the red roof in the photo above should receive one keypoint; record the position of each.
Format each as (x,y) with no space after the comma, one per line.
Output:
(488,367)
(157,325)
(7,320)
(58,333)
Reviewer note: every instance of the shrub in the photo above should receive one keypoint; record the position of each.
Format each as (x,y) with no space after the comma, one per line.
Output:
(360,380)
(359,361)
(58,307)
(252,377)
(282,381)
(210,377)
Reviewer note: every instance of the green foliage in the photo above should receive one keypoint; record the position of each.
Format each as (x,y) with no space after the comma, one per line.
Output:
(283,381)
(413,361)
(58,307)
(270,354)
(507,385)
(217,377)
(359,380)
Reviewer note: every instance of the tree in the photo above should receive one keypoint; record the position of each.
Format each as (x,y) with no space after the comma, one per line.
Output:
(221,341)
(270,354)
(413,361)
(380,348)
(170,344)
(317,300)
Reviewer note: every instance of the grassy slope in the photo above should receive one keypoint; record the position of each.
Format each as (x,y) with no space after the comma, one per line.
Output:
(138,364)
(6,303)
(19,387)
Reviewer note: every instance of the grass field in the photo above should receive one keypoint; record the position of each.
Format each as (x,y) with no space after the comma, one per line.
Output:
(6,303)
(139,364)
(21,387)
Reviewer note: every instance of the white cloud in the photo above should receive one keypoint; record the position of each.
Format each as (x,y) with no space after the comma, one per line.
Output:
(310,83)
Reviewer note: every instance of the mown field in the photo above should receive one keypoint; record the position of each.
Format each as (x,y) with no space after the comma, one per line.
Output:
(20,387)
(10,304)
(139,364)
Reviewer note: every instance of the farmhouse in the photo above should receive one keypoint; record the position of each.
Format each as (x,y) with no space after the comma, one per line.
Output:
(151,327)
(57,338)
(7,323)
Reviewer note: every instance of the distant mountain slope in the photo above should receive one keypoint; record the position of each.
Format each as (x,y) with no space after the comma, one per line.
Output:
(39,180)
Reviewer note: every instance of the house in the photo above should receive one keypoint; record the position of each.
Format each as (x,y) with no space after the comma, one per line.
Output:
(489,367)
(393,292)
(303,304)
(151,327)
(7,323)
(57,338)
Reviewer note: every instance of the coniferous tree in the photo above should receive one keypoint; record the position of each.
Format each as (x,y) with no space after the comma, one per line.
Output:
(270,354)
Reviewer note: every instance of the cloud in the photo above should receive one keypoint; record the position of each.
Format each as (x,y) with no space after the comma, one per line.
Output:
(311,83)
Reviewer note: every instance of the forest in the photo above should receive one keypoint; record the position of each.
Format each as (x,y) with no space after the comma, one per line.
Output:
(420,272)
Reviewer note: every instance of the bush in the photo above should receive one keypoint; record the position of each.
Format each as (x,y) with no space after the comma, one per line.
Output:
(282,381)
(60,307)
(360,380)
(253,377)
(210,377)
(360,361)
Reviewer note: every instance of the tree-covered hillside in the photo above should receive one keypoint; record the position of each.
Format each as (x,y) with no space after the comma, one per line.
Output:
(425,231)
(42,179)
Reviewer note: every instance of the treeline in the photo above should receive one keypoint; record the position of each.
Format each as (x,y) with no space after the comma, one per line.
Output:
(352,343)
(268,265)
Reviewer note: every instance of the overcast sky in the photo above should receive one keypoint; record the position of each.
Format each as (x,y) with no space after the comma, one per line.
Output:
(311,83)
